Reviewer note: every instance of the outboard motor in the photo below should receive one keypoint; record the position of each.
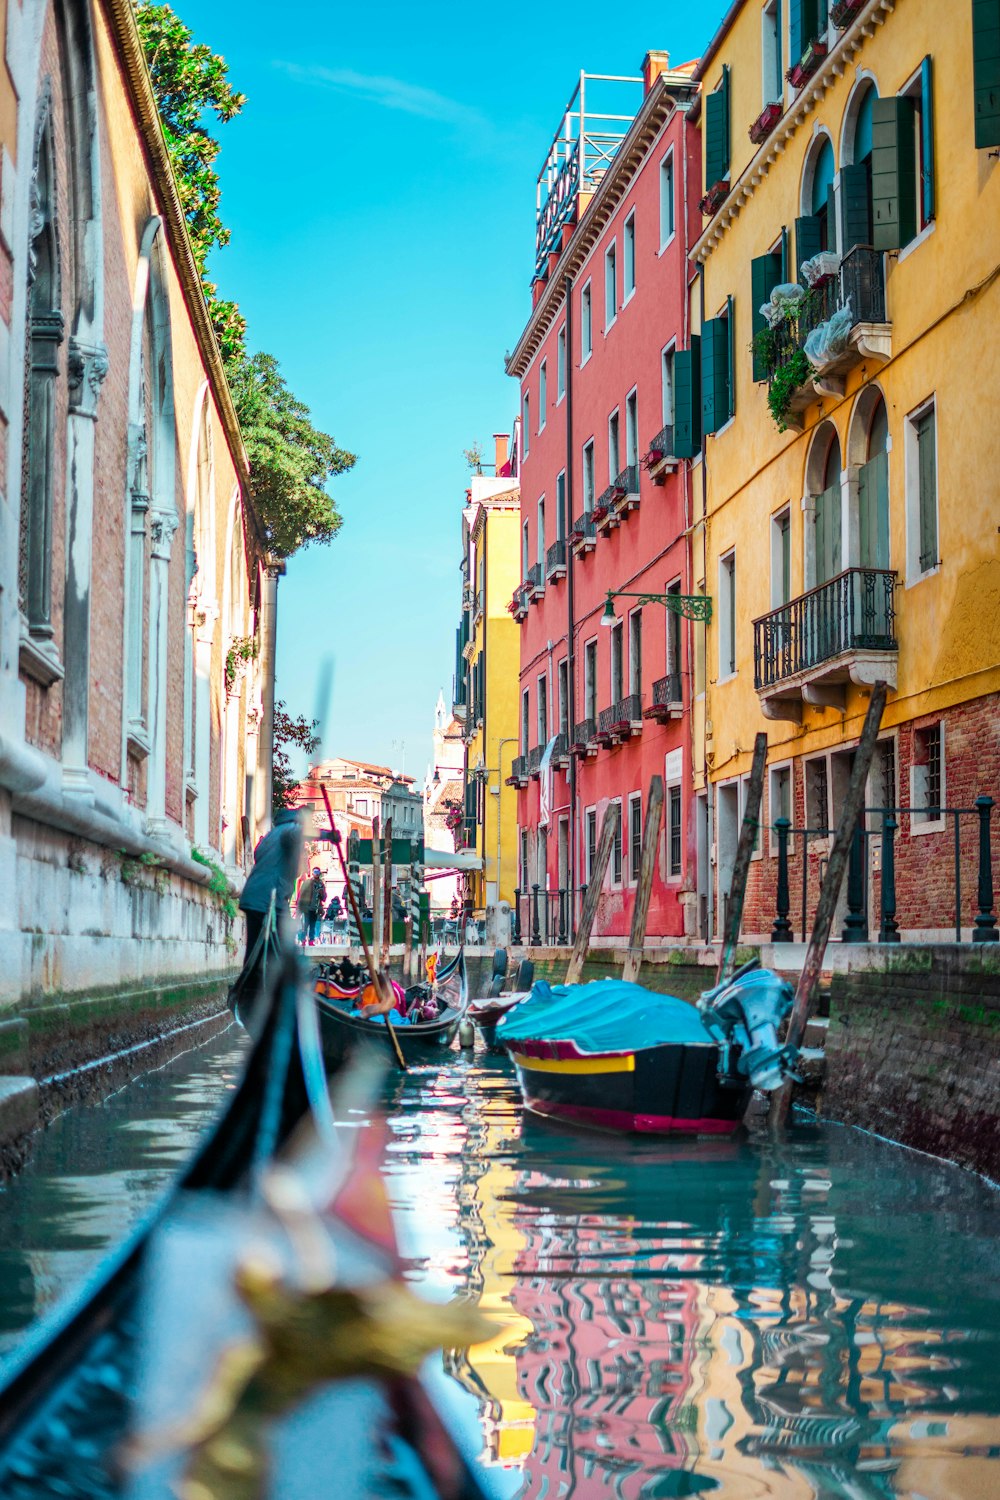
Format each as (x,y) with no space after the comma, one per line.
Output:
(745,1011)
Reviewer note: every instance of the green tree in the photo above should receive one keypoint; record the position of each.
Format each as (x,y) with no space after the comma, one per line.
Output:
(289,732)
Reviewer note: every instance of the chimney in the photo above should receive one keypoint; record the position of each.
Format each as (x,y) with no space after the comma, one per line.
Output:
(653,64)
(501,443)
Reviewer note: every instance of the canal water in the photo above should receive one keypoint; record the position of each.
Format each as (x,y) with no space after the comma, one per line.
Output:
(97,1169)
(803,1320)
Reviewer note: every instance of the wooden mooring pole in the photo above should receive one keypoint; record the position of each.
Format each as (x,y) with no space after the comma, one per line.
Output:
(644,885)
(749,831)
(609,825)
(829,891)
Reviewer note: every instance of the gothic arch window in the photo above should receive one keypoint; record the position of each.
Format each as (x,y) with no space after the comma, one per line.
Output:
(823,489)
(44,337)
(856,171)
(817,198)
(868,455)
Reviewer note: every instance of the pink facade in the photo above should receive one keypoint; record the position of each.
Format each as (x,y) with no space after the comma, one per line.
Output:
(577,404)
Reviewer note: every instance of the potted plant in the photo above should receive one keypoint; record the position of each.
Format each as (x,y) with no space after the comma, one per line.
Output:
(765,122)
(714,197)
(785,381)
(807,63)
(843,13)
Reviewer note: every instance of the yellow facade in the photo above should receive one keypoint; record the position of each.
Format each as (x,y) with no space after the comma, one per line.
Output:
(937,345)
(492,653)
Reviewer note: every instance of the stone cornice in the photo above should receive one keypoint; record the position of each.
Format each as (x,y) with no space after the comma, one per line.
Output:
(668,92)
(125,35)
(834,65)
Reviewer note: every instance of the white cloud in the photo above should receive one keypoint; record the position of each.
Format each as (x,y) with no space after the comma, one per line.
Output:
(390,93)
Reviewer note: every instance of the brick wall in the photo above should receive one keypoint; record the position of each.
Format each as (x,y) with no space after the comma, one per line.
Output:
(913,1052)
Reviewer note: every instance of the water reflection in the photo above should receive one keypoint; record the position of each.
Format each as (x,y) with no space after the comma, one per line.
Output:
(813,1319)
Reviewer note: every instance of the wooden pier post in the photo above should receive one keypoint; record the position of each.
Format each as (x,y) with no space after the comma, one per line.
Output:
(749,831)
(612,815)
(829,891)
(644,884)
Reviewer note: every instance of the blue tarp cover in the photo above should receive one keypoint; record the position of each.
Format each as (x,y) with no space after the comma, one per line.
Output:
(606,1015)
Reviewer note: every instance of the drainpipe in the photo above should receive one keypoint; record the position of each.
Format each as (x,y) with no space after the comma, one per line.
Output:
(570,611)
(274,567)
(709,785)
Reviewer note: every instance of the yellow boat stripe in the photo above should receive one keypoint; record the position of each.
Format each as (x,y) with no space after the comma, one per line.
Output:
(575,1064)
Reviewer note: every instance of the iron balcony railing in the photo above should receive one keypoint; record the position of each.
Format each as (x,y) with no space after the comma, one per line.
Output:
(860,280)
(555,557)
(560,749)
(627,482)
(604,501)
(852,612)
(519,768)
(534,581)
(583,527)
(662,445)
(621,716)
(667,690)
(584,732)
(535,759)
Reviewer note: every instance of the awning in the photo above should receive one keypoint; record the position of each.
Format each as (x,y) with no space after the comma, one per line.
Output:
(452,859)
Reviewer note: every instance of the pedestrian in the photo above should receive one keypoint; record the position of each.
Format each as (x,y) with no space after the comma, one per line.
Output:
(272,876)
(312,897)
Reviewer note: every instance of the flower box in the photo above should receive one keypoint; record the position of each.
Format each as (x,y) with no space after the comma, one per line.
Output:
(765,122)
(651,459)
(807,63)
(599,512)
(843,13)
(619,492)
(714,198)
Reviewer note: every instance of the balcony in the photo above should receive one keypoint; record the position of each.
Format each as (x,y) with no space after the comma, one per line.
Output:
(518,605)
(808,650)
(534,584)
(625,489)
(668,699)
(619,722)
(606,516)
(583,537)
(839,324)
(585,738)
(560,752)
(518,771)
(535,762)
(659,459)
(555,561)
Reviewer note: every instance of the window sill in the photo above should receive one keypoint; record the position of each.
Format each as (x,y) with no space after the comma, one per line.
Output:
(922,577)
(137,740)
(627,300)
(587,358)
(720,430)
(916,242)
(39,660)
(918,829)
(608,326)
(664,247)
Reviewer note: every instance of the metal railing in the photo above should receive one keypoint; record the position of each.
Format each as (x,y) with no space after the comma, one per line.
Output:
(535,759)
(584,732)
(534,579)
(519,601)
(583,527)
(627,482)
(604,501)
(624,714)
(555,557)
(561,747)
(663,444)
(852,612)
(667,690)
(541,917)
(860,280)
(519,768)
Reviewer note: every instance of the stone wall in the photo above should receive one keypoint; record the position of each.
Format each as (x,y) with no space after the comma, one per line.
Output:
(913,1051)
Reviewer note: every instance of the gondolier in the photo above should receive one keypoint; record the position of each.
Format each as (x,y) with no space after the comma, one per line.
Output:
(269,884)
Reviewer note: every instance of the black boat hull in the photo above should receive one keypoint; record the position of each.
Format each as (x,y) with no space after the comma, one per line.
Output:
(341,1034)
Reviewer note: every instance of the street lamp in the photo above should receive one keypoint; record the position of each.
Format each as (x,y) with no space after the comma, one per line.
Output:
(690,606)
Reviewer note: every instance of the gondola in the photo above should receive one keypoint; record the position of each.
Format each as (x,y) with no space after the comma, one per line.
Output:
(343,1028)
(486,1014)
(67,1395)
(614,1056)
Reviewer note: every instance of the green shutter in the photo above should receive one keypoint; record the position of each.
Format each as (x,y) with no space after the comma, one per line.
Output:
(731,354)
(714,374)
(855,207)
(873,511)
(894,174)
(986,71)
(803,26)
(926,141)
(807,240)
(765,275)
(927,490)
(785,253)
(717,132)
(687,398)
(827,523)
(831,218)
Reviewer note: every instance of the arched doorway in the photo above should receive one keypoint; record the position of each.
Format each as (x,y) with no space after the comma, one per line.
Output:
(873,486)
(823,482)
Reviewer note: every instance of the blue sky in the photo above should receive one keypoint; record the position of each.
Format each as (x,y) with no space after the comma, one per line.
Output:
(380,190)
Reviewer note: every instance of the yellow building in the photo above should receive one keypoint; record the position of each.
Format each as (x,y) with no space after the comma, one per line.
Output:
(486,679)
(848,294)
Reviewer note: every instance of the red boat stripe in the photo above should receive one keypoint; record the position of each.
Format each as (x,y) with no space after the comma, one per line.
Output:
(620,1119)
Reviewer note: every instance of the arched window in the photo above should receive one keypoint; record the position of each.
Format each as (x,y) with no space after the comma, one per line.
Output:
(856,173)
(816,228)
(45,334)
(823,483)
(868,453)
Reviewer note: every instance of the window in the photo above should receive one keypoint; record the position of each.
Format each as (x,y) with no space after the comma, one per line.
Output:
(541,531)
(744,792)
(590,818)
(543,393)
(927,779)
(525,721)
(666,199)
(563,690)
(361,804)
(616,847)
(635,836)
(586,324)
(525,424)
(628,254)
(921,491)
(919,93)
(635,651)
(617,663)
(590,679)
(986,95)
(667,386)
(716,131)
(561,364)
(727,615)
(781,558)
(779,800)
(674,840)
(523,877)
(588,477)
(543,710)
(610,284)
(772,82)
(632,428)
(718,402)
(817,794)
(561,505)
(613,454)
(674,639)
(525,553)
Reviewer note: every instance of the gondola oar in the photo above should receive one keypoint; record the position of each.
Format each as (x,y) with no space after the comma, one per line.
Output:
(378,978)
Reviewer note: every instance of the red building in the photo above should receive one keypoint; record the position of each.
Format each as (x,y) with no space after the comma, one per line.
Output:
(609,422)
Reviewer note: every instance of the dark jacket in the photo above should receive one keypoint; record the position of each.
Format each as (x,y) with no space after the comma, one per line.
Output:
(312,894)
(275,863)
